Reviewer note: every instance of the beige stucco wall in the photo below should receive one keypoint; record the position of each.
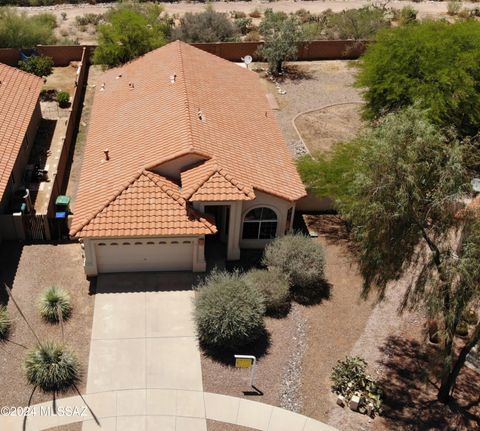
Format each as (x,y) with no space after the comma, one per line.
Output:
(280,206)
(172,168)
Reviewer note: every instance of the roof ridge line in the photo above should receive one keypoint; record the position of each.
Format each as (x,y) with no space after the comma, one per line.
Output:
(234,182)
(176,196)
(187,105)
(118,192)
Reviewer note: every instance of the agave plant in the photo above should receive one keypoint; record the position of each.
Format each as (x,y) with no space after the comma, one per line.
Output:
(51,367)
(55,304)
(4,322)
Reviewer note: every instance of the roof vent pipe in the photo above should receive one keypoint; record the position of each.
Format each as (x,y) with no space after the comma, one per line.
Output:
(173,78)
(107,155)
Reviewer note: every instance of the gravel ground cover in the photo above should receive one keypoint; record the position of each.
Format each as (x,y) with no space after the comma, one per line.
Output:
(30,269)
(334,326)
(312,85)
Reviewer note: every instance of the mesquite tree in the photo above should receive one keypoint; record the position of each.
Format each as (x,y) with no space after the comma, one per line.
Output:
(406,192)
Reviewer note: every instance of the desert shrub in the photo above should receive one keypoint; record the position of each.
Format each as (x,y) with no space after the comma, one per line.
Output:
(408,15)
(18,30)
(453,7)
(228,312)
(356,24)
(4,322)
(255,13)
(206,26)
(253,36)
(51,367)
(349,378)
(89,18)
(236,14)
(244,25)
(63,99)
(64,16)
(274,286)
(54,299)
(299,257)
(40,65)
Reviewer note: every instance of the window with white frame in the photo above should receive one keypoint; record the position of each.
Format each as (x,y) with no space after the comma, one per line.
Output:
(260,223)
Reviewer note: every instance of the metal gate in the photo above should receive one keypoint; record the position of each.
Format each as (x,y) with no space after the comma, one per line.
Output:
(36,227)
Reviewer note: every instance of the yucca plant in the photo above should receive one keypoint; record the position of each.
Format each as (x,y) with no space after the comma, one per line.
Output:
(51,367)
(5,322)
(55,304)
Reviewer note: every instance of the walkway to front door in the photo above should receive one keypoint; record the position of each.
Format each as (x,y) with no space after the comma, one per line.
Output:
(143,336)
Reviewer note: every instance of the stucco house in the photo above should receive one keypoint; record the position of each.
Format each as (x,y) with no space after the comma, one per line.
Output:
(183,153)
(20,117)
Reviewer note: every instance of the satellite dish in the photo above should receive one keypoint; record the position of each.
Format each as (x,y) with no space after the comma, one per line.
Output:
(247,59)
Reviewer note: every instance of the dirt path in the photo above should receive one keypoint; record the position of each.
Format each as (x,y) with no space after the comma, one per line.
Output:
(335,325)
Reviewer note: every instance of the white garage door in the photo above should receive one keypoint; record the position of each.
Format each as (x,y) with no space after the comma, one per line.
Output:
(144,255)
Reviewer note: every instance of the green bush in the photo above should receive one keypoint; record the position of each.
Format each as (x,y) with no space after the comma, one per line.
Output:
(274,286)
(63,99)
(299,257)
(206,26)
(18,30)
(40,65)
(51,367)
(4,322)
(129,32)
(434,64)
(89,18)
(53,300)
(408,15)
(349,377)
(228,312)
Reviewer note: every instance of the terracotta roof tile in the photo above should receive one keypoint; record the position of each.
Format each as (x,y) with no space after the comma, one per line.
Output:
(148,205)
(19,93)
(209,182)
(213,108)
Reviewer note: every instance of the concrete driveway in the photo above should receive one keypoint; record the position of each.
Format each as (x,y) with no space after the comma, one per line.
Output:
(143,336)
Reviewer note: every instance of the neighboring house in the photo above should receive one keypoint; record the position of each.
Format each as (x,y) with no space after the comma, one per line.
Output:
(181,145)
(19,120)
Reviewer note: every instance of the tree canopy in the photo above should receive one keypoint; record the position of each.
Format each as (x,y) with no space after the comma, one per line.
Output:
(17,30)
(281,35)
(433,63)
(403,190)
(131,31)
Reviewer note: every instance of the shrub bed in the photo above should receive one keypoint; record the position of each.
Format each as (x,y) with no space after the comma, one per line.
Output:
(228,312)
(275,288)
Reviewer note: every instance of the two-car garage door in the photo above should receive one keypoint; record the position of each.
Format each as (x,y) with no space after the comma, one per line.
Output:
(144,255)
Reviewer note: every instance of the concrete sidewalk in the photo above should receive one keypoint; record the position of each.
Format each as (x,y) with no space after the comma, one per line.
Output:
(162,409)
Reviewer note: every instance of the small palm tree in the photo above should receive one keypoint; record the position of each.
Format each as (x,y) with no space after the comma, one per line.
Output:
(51,367)
(55,304)
(5,322)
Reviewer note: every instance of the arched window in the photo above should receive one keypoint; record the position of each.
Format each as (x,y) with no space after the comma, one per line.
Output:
(260,223)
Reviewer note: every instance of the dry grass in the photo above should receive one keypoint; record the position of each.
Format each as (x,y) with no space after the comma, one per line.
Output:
(322,129)
(30,269)
(62,78)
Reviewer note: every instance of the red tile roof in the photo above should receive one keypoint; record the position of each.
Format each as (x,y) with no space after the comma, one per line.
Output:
(209,182)
(148,205)
(213,108)
(19,93)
